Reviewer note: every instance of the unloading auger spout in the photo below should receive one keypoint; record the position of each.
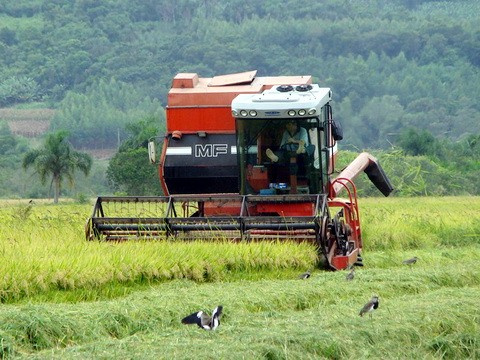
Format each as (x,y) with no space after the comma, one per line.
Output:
(370,165)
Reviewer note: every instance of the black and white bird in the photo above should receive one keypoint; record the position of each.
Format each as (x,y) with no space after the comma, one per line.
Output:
(410,261)
(350,275)
(305,275)
(370,306)
(204,320)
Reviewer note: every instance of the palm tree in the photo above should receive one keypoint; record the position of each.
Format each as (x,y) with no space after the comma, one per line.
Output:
(58,159)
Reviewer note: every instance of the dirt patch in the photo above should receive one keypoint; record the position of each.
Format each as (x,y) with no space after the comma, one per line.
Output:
(28,123)
(29,128)
(36,122)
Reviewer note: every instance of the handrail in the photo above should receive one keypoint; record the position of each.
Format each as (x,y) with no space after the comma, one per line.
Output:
(353,201)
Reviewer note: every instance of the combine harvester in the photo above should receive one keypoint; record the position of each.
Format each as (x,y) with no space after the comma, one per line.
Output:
(220,183)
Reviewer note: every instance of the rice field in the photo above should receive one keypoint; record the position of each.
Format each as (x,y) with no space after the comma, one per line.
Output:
(66,298)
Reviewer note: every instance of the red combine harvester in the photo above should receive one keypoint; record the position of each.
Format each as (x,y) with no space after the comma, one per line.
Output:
(227,174)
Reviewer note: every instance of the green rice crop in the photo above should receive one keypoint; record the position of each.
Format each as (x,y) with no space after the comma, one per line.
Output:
(44,249)
(414,223)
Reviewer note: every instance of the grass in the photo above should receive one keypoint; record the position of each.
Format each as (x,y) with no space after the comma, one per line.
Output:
(419,317)
(67,298)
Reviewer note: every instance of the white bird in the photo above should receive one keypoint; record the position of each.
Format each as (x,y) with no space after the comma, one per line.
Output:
(204,320)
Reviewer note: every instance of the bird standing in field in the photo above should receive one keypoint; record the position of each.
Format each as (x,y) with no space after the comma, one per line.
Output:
(305,275)
(350,275)
(204,320)
(370,306)
(410,261)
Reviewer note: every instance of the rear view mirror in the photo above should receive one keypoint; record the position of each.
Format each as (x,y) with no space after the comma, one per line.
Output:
(337,131)
(151,152)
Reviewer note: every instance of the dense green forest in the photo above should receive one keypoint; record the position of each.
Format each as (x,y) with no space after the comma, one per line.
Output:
(404,73)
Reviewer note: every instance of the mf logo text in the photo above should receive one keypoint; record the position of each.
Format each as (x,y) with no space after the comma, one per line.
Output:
(210,150)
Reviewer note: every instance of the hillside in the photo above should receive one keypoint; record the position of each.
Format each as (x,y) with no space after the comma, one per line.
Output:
(391,65)
(33,124)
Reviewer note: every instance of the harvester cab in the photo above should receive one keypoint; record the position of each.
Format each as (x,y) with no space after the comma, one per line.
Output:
(284,140)
(247,158)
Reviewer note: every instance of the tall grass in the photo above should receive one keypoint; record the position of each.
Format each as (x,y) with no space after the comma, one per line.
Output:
(44,249)
(413,223)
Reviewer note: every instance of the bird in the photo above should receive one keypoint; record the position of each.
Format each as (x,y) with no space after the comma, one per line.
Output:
(305,275)
(370,306)
(410,261)
(204,320)
(350,275)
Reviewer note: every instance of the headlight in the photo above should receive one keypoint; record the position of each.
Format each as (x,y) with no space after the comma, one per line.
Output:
(291,112)
(234,113)
(312,111)
(302,112)
(243,113)
(253,113)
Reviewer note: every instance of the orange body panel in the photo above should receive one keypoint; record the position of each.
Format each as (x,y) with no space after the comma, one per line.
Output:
(208,96)
(191,119)
(293,209)
(344,262)
(229,209)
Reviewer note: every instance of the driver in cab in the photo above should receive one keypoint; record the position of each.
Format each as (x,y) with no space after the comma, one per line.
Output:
(294,140)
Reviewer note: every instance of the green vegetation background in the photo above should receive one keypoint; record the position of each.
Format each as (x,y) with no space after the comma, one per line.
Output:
(405,75)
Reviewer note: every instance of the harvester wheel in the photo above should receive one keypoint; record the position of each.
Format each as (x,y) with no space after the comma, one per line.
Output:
(341,235)
(322,249)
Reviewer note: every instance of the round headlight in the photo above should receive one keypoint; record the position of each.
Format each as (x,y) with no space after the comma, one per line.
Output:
(234,113)
(253,113)
(302,112)
(243,113)
(291,112)
(312,111)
